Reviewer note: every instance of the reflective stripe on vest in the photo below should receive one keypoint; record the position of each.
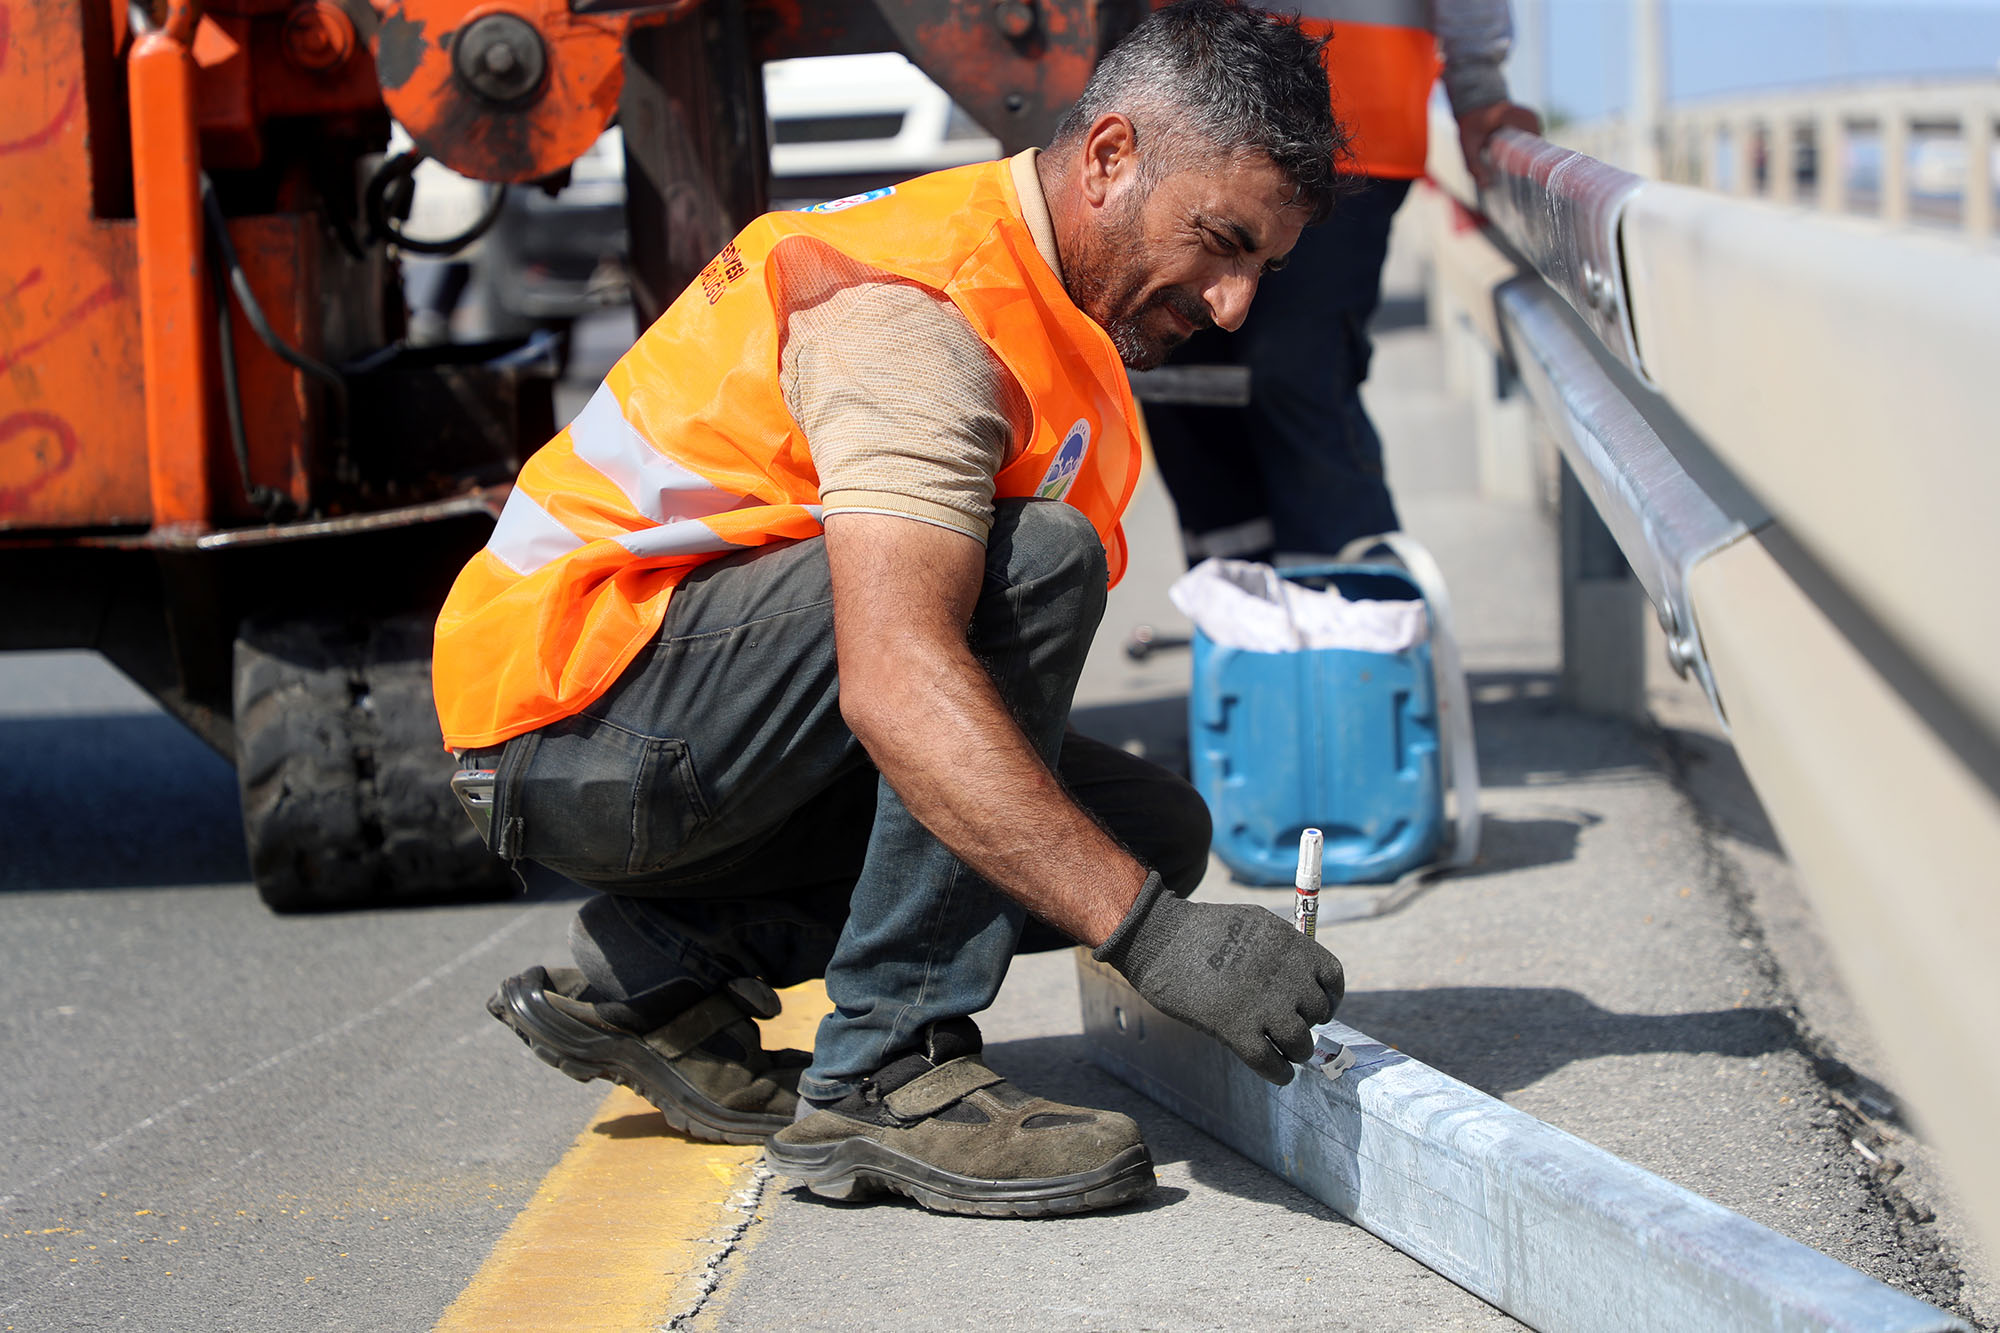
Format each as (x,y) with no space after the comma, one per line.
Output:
(1381,61)
(687,450)
(675,499)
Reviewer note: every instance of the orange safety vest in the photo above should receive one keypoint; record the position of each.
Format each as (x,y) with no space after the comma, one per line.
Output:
(1381,61)
(687,451)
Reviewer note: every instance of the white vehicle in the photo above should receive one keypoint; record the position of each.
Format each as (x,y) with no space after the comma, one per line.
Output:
(839,125)
(844,124)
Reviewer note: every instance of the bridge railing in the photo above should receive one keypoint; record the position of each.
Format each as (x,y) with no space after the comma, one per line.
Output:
(1907,151)
(1790,426)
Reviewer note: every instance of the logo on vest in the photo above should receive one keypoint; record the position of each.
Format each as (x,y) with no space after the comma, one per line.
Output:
(1069,461)
(722,270)
(842,205)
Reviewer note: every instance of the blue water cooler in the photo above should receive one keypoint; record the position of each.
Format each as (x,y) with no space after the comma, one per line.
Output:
(1336,739)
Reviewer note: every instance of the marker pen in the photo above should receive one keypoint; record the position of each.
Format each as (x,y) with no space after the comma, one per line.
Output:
(1305,907)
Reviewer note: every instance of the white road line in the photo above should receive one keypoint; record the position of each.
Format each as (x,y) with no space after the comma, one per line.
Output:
(286,1056)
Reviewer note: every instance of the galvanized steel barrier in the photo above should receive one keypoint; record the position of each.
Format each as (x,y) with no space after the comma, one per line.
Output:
(1558,1233)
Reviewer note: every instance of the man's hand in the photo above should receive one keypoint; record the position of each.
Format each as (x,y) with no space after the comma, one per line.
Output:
(1235,971)
(1475,128)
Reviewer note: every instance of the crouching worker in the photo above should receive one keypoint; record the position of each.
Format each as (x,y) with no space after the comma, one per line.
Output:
(774,645)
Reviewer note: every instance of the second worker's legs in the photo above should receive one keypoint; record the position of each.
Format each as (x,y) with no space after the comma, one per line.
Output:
(1297,471)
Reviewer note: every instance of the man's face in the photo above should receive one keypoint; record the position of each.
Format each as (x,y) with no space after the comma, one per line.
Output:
(1153,266)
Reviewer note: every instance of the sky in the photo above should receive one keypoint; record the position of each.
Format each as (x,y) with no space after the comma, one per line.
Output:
(1716,47)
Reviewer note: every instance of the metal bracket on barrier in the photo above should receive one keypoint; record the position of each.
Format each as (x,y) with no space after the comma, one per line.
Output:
(1561,210)
(1661,518)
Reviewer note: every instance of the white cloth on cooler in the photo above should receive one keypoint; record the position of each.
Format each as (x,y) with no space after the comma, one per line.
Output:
(1243,604)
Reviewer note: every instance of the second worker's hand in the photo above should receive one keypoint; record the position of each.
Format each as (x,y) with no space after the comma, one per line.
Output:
(1477,128)
(1235,971)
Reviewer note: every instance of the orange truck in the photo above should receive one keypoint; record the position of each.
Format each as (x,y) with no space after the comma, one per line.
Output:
(222,466)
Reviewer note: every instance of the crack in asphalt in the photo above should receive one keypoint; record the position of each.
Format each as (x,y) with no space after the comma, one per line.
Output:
(744,1202)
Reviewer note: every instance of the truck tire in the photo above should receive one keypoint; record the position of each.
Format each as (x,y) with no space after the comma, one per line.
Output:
(343,773)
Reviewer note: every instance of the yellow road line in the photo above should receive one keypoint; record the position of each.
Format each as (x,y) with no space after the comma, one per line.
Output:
(630,1213)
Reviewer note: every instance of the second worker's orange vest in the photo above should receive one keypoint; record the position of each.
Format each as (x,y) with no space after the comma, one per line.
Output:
(687,451)
(1381,60)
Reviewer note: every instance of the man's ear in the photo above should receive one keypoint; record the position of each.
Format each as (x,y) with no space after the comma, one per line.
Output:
(1110,157)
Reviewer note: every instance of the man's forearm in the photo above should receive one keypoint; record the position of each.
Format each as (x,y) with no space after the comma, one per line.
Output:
(945,741)
(935,725)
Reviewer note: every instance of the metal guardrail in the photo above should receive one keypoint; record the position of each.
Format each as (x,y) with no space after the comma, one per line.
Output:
(1787,422)
(1561,210)
(1663,522)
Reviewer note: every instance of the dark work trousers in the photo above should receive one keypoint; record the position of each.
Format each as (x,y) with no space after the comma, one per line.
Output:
(736,827)
(1299,470)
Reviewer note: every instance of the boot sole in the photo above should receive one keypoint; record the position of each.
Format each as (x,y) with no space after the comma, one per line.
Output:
(585,1053)
(858,1168)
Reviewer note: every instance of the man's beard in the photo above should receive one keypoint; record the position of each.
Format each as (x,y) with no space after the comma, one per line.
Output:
(1141,350)
(1108,291)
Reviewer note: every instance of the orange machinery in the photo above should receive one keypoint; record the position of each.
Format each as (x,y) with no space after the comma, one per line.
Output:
(220,466)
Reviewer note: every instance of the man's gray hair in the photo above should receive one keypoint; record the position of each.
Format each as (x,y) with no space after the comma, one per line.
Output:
(1215,79)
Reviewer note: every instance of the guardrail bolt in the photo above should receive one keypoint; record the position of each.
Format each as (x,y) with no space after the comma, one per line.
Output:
(1682,654)
(1597,290)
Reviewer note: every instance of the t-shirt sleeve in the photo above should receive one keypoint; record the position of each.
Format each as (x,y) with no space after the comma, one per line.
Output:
(904,409)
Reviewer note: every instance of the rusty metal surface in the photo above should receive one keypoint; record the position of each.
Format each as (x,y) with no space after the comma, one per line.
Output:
(696,160)
(784,29)
(1016,65)
(481,500)
(301,61)
(72,432)
(174,309)
(284,412)
(503,133)
(486,500)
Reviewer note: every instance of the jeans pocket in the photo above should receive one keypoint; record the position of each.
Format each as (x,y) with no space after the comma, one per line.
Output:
(597,802)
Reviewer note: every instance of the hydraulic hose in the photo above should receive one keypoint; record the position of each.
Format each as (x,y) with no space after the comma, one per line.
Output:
(382,221)
(239,282)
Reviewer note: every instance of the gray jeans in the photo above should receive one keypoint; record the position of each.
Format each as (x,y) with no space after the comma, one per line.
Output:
(735,827)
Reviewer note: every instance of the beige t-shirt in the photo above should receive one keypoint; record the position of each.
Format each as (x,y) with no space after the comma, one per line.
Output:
(904,409)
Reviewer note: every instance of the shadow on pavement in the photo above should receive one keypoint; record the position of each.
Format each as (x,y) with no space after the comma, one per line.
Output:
(1497,1039)
(1528,736)
(1713,775)
(1508,843)
(1161,1196)
(1504,1038)
(116,800)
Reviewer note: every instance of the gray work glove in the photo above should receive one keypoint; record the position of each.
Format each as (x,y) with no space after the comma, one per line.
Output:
(1237,972)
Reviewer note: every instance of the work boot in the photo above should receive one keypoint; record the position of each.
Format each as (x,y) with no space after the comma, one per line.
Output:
(941,1128)
(706,1068)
